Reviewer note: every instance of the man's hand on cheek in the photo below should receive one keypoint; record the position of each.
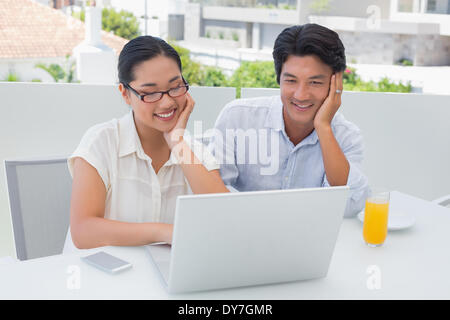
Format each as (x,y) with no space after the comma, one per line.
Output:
(331,104)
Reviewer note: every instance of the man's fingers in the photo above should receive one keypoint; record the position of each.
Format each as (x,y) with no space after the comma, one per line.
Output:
(339,81)
(332,86)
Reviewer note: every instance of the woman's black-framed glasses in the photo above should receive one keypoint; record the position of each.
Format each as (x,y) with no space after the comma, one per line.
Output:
(156,96)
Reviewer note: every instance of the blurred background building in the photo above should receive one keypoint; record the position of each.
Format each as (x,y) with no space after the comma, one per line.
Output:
(379,35)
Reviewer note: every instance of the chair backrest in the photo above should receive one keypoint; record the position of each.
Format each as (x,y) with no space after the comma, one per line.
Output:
(39,195)
(209,101)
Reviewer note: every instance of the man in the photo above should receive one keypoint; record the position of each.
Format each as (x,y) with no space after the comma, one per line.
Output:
(308,143)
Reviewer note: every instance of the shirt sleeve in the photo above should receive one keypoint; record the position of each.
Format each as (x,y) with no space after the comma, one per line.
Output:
(222,147)
(352,146)
(94,148)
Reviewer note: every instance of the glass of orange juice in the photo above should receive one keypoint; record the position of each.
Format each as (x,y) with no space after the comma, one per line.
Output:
(376,215)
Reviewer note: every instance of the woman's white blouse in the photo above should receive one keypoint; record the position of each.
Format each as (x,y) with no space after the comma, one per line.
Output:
(134,191)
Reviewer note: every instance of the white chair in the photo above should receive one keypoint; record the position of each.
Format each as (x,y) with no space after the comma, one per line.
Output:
(443,201)
(39,195)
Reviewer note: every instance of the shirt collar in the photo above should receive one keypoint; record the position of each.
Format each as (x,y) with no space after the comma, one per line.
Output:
(274,118)
(129,141)
(275,121)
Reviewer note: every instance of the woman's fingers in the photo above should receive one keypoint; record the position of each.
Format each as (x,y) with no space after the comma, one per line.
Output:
(189,107)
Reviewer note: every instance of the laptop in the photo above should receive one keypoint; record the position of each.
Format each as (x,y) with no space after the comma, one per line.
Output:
(250,238)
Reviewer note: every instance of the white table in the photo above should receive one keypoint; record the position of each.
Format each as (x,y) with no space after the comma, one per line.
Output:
(412,264)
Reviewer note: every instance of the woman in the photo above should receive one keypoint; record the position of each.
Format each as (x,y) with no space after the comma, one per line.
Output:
(127,173)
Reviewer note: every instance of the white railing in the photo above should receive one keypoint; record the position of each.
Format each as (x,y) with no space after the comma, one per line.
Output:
(407,136)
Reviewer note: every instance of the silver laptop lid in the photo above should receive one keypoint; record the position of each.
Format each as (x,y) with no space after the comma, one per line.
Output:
(249,238)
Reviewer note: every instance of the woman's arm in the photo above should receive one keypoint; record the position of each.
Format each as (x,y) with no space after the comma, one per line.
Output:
(200,179)
(89,228)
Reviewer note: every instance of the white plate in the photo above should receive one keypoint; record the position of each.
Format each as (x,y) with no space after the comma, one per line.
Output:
(396,221)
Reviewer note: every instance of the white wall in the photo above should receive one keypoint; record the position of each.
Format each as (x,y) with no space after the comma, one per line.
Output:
(49,119)
(25,68)
(442,19)
(269,32)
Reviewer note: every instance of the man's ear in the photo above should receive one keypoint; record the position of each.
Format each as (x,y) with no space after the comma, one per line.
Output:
(125,94)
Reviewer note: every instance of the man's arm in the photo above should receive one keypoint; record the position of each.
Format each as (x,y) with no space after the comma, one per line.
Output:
(336,164)
(342,165)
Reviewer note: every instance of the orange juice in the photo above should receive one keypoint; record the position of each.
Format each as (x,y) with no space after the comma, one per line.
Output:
(375,221)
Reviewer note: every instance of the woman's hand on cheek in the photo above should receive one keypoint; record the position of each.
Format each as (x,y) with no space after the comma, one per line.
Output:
(175,135)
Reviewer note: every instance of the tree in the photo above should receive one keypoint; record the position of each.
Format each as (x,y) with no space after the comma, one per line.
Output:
(258,74)
(214,77)
(192,71)
(123,23)
(60,73)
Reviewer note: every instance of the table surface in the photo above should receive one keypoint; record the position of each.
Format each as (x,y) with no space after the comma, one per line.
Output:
(412,264)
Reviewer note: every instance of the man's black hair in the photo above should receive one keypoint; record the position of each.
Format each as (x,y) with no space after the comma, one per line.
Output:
(309,39)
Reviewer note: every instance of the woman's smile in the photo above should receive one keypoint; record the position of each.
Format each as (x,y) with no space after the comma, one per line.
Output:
(166,115)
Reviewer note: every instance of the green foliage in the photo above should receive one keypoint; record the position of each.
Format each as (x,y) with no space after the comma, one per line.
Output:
(273,6)
(319,6)
(197,74)
(12,77)
(214,77)
(60,73)
(123,23)
(352,82)
(80,15)
(406,62)
(385,85)
(288,7)
(261,74)
(192,71)
(54,70)
(258,74)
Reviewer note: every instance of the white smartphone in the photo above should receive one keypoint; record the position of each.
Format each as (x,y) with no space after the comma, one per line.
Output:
(106,262)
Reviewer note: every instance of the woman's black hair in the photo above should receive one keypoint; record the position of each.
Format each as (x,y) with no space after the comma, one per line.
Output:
(309,39)
(139,50)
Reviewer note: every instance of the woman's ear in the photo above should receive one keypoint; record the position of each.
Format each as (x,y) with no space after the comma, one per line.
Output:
(125,94)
